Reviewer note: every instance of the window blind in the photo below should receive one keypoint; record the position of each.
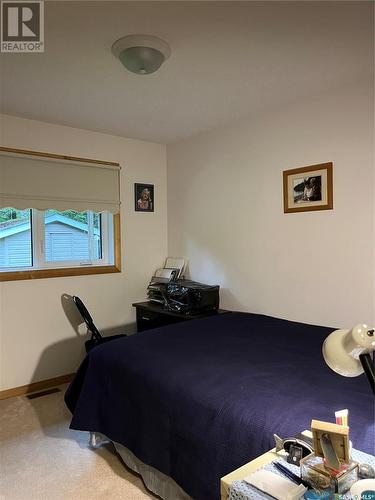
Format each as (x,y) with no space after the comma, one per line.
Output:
(45,181)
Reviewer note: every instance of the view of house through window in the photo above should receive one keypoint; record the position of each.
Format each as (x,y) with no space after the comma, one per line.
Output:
(71,235)
(33,239)
(15,238)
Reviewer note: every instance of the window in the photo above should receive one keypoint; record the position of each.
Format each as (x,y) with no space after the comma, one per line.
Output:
(33,243)
(54,241)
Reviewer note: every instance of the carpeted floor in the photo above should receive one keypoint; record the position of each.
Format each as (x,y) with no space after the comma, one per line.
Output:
(42,459)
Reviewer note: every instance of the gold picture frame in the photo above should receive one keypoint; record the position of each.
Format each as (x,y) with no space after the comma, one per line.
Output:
(308,188)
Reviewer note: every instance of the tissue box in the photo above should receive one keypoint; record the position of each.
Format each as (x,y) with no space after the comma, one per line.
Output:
(320,477)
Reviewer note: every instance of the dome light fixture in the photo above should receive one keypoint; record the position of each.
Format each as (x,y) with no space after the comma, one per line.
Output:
(141,54)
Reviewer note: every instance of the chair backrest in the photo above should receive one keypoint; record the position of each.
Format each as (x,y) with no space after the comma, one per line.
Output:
(87,318)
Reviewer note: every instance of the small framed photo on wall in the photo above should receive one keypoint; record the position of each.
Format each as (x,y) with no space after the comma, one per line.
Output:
(308,188)
(144,197)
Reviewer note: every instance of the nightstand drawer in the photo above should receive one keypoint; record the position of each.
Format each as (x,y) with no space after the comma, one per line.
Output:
(151,319)
(153,315)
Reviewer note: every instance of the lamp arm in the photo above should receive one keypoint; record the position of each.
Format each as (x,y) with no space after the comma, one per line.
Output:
(369,369)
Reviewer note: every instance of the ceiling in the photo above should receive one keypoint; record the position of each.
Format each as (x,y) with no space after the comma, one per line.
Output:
(229,59)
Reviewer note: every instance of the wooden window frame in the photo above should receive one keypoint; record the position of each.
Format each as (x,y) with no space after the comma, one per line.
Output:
(69,271)
(73,271)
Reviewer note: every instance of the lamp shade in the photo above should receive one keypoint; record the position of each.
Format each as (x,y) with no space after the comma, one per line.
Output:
(342,349)
(141,54)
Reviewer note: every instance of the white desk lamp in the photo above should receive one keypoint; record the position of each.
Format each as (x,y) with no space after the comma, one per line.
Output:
(349,352)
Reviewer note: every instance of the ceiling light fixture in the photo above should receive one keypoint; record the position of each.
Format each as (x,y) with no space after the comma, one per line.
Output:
(141,54)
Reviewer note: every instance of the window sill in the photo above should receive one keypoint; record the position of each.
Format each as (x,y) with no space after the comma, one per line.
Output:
(57,273)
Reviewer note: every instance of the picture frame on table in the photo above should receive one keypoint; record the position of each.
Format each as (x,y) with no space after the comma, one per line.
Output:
(308,188)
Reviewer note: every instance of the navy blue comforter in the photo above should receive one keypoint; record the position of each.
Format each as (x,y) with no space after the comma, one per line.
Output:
(200,398)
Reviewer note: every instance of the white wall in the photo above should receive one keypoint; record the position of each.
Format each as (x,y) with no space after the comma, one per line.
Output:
(225,211)
(36,339)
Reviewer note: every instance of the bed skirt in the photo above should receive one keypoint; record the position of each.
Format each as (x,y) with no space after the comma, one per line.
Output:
(154,480)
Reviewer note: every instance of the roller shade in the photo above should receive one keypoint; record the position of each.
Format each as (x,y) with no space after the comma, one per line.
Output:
(61,183)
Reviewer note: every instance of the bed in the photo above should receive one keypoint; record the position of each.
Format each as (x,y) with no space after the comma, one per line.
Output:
(198,399)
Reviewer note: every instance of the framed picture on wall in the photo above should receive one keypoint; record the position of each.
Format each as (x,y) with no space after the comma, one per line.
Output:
(308,188)
(144,197)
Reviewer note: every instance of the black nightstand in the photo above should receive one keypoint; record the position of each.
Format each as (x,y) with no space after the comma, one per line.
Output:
(152,315)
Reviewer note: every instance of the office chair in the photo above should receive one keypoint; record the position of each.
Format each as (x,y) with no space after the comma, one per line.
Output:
(96,337)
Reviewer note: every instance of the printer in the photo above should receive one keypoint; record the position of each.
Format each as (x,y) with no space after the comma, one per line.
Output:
(169,288)
(185,296)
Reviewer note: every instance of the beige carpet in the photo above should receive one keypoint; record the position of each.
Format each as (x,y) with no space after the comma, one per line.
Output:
(41,459)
